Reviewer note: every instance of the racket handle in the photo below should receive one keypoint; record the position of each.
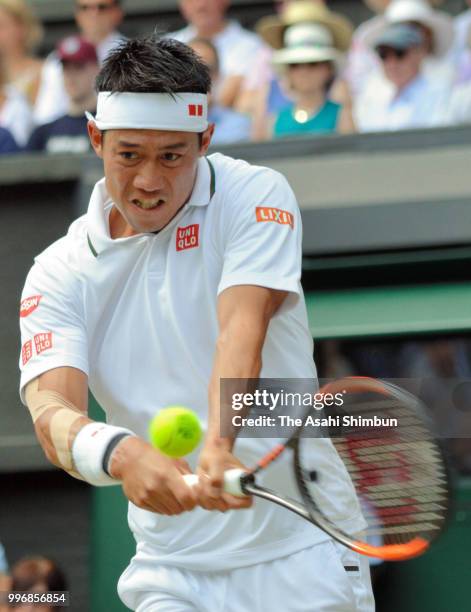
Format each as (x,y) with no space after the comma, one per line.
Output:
(232,482)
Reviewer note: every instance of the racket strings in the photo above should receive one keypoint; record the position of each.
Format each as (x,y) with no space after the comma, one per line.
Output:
(400,482)
(396,468)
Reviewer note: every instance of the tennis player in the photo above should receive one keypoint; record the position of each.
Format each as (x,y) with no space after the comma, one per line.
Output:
(185,270)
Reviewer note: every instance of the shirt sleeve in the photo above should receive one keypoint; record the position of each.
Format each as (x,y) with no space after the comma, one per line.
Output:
(262,232)
(53,331)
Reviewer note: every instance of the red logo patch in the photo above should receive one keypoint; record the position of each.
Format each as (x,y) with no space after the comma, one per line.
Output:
(188,237)
(195,110)
(265,214)
(26,351)
(43,342)
(29,304)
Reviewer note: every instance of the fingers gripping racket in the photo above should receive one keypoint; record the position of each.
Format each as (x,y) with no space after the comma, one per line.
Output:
(399,474)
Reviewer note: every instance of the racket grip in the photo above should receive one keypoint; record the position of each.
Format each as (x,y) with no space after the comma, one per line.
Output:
(232,481)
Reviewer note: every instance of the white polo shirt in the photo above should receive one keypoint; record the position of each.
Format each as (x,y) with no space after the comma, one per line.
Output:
(138,316)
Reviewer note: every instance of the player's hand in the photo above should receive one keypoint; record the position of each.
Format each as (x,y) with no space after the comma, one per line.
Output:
(151,480)
(215,458)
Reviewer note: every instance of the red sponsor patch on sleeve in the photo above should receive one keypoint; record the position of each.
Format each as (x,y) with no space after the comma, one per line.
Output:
(29,304)
(26,351)
(265,214)
(43,342)
(188,237)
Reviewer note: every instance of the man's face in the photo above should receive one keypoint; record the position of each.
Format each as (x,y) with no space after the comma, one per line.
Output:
(149,173)
(401,66)
(79,80)
(96,19)
(204,14)
(12,33)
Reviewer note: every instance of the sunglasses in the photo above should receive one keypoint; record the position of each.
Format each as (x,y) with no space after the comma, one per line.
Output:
(385,52)
(101,7)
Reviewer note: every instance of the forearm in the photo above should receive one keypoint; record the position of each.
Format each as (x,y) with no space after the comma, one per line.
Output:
(71,440)
(56,422)
(238,356)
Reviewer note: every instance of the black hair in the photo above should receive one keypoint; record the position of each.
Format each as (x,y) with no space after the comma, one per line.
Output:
(153,65)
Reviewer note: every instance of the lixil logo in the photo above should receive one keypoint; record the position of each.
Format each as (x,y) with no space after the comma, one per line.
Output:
(276,215)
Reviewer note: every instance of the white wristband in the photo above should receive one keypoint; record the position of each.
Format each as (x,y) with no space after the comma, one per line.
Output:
(89,449)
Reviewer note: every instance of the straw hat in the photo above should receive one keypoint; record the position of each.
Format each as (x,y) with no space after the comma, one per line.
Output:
(420,11)
(272,28)
(306,43)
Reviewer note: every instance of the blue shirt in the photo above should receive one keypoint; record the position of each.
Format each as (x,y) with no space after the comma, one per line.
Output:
(64,135)
(7,142)
(324,121)
(230,126)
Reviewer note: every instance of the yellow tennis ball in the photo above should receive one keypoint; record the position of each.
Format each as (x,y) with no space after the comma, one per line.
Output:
(175,431)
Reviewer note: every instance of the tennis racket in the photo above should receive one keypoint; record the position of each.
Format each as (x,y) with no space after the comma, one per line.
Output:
(399,473)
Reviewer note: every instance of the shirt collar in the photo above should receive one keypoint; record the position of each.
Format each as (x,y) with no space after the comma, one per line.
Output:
(98,229)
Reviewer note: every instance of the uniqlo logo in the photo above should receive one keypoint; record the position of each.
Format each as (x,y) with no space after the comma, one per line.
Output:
(43,342)
(195,110)
(188,237)
(29,304)
(26,351)
(265,214)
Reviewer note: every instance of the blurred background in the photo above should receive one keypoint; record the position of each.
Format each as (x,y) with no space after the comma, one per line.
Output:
(370,106)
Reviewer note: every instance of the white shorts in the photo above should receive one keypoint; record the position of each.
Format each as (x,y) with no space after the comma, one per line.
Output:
(324,578)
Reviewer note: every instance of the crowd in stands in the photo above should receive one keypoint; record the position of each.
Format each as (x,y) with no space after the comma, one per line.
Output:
(34,574)
(303,70)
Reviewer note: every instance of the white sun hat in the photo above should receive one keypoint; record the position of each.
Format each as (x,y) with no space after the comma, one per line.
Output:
(420,11)
(306,43)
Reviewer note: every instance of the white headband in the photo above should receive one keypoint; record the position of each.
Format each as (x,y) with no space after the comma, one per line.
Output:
(184,112)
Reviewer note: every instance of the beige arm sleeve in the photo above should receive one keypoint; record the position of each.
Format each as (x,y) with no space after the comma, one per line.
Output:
(57,421)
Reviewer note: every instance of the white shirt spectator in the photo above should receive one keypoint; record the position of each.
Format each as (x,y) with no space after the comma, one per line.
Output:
(52,101)
(438,66)
(462,25)
(422,103)
(16,116)
(235,45)
(459,107)
(362,62)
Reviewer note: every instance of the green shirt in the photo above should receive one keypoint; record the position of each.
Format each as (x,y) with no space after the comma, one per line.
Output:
(322,122)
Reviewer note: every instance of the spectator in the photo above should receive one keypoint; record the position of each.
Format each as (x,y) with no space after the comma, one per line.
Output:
(97,21)
(236,46)
(230,126)
(68,134)
(20,33)
(437,28)
(7,145)
(15,112)
(405,98)
(462,28)
(310,59)
(272,94)
(37,575)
